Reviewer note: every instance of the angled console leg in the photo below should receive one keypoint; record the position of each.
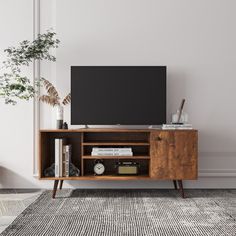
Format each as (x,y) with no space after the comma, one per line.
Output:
(175,184)
(181,188)
(55,188)
(61,183)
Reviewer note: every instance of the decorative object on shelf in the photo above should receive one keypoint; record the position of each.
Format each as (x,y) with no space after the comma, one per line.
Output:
(176,126)
(14,85)
(52,98)
(99,167)
(180,117)
(181,109)
(65,125)
(74,171)
(127,168)
(122,151)
(50,171)
(183,118)
(59,116)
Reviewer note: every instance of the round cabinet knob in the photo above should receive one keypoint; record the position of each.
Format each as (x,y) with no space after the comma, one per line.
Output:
(158,138)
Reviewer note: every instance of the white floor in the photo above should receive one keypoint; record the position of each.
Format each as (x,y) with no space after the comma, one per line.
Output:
(13,202)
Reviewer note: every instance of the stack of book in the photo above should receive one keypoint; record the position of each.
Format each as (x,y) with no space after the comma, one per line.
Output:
(112,152)
(62,158)
(177,126)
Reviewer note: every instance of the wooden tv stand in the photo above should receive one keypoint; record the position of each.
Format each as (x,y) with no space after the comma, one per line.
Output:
(162,154)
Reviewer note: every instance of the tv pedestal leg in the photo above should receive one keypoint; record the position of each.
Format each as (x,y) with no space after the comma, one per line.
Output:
(175,184)
(61,184)
(54,188)
(181,188)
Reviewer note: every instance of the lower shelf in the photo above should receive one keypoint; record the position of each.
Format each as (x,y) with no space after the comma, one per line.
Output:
(102,177)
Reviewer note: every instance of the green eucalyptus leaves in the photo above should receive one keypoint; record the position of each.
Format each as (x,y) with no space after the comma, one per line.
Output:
(14,85)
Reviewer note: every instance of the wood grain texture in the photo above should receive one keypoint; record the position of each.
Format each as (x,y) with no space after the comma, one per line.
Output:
(102,177)
(173,155)
(107,130)
(117,157)
(116,144)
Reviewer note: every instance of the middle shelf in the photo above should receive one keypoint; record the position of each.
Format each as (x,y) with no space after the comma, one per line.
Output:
(117,157)
(115,144)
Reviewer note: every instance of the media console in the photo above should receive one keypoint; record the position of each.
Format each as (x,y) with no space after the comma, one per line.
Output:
(161,154)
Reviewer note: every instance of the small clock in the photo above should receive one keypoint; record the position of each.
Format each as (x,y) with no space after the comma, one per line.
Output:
(99,168)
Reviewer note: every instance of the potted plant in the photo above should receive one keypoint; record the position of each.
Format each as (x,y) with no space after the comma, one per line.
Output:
(13,85)
(52,98)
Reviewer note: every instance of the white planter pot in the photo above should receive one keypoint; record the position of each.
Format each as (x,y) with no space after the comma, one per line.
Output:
(59,116)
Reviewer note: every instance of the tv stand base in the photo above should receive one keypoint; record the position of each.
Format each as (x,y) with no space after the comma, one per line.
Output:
(161,154)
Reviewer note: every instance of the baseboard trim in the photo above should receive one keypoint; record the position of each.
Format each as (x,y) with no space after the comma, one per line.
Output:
(217,173)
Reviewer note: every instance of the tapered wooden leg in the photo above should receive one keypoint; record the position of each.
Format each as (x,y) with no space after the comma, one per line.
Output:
(55,188)
(175,184)
(181,188)
(61,183)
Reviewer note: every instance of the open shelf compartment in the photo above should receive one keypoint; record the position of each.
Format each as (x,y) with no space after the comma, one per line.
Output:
(116,137)
(82,143)
(47,148)
(111,167)
(139,151)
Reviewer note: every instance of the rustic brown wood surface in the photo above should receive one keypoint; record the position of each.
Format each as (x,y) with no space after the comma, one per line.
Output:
(173,154)
(107,130)
(102,177)
(116,144)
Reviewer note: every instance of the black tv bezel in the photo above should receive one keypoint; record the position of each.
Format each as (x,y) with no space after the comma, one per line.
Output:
(120,124)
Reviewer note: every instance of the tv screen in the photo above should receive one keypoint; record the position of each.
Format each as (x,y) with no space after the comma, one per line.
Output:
(111,95)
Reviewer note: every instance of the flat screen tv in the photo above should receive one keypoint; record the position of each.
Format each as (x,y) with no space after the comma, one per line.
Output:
(112,95)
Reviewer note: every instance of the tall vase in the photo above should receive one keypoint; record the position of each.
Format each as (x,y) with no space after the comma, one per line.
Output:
(59,116)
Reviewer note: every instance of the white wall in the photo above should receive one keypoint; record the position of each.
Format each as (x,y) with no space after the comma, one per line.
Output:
(16,139)
(195,39)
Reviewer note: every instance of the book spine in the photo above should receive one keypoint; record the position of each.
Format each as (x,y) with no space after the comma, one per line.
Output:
(64,162)
(112,149)
(61,157)
(122,154)
(102,154)
(57,157)
(67,164)
(112,154)
(67,160)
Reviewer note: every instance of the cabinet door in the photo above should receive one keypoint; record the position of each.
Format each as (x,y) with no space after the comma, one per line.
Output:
(173,154)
